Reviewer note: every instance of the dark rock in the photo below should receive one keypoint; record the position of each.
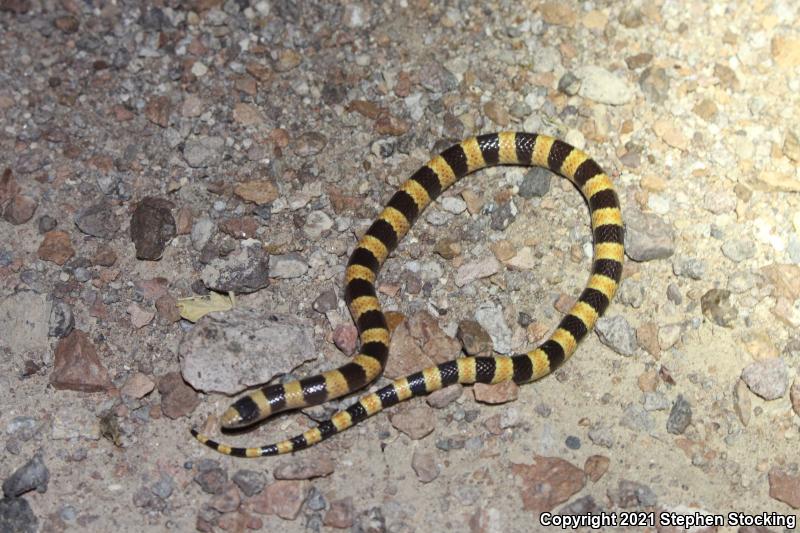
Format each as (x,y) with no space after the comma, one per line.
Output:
(32,475)
(152,227)
(16,515)
(535,183)
(680,416)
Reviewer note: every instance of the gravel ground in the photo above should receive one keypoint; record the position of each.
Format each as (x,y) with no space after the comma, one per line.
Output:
(149,154)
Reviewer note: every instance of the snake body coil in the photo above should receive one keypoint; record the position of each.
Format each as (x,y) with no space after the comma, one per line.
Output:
(505,148)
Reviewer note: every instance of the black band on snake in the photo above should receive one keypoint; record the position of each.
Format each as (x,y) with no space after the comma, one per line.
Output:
(505,148)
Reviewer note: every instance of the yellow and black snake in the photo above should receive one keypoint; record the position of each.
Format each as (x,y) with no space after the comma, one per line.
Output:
(505,148)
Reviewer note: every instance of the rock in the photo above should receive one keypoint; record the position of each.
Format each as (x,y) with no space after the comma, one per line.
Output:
(536,183)
(56,247)
(596,466)
(637,419)
(497,113)
(287,60)
(16,515)
(481,268)
(405,354)
(310,466)
(558,14)
(345,337)
(602,86)
(9,188)
(655,84)
(548,482)
(784,487)
(24,319)
(503,216)
(507,391)
(794,396)
(768,378)
(784,278)
(202,152)
(739,250)
(632,494)
(647,236)
(167,307)
(340,514)
(680,416)
(97,220)
(240,227)
(32,475)
(139,317)
(259,192)
(742,403)
(490,317)
(226,501)
(244,271)
(104,256)
(443,397)
(669,335)
(247,115)
(177,398)
(45,223)
(671,134)
(202,231)
(287,266)
(157,110)
(655,401)
(228,352)
(20,209)
(317,223)
(425,466)
(474,339)
(326,301)
(454,205)
(309,143)
(689,268)
(152,227)
(616,333)
(716,305)
(61,321)
(250,482)
(584,505)
(138,386)
(283,498)
(785,51)
(416,421)
(77,366)
(212,480)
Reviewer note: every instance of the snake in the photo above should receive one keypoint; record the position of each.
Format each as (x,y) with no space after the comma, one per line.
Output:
(372,250)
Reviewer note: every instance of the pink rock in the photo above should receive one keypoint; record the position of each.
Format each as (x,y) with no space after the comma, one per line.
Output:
(177,398)
(56,247)
(345,337)
(77,365)
(283,498)
(340,514)
(548,482)
(497,393)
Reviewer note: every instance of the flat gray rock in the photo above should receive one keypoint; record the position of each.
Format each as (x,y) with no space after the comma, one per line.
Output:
(647,236)
(228,352)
